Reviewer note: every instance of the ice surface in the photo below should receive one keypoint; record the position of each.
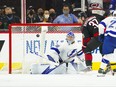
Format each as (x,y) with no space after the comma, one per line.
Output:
(89,79)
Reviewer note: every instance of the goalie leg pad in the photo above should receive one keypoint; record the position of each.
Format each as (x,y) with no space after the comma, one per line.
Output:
(38,68)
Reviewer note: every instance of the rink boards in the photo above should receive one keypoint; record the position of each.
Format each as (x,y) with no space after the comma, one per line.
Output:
(28,46)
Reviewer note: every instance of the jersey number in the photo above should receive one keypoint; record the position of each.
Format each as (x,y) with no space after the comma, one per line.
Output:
(94,23)
(112,24)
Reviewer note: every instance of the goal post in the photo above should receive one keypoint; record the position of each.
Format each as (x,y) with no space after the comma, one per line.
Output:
(28,41)
(44,30)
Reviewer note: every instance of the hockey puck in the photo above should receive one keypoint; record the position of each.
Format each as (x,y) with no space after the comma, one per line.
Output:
(37,35)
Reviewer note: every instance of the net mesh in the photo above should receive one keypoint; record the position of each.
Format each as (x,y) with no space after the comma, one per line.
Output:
(26,43)
(52,29)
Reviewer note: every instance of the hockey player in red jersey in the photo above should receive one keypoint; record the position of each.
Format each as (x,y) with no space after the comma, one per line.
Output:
(90,30)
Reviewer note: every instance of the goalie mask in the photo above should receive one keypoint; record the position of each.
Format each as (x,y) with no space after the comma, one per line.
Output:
(70,38)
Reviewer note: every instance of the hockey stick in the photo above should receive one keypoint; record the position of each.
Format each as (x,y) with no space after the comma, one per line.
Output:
(113,64)
(103,75)
(48,70)
(112,72)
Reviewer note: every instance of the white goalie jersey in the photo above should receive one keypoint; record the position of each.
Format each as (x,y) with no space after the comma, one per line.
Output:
(65,52)
(61,59)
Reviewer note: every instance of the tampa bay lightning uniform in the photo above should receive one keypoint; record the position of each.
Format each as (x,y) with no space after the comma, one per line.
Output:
(108,28)
(64,56)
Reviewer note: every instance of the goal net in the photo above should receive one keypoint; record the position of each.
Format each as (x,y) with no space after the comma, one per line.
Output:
(30,41)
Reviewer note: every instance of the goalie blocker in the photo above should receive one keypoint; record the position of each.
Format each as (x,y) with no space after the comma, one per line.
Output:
(92,44)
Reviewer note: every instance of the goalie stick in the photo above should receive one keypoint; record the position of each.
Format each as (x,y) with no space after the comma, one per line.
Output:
(48,70)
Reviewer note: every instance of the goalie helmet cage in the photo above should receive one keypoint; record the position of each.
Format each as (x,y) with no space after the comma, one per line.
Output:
(21,33)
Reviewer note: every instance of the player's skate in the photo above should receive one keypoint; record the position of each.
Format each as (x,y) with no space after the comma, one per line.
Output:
(103,72)
(108,69)
(89,68)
